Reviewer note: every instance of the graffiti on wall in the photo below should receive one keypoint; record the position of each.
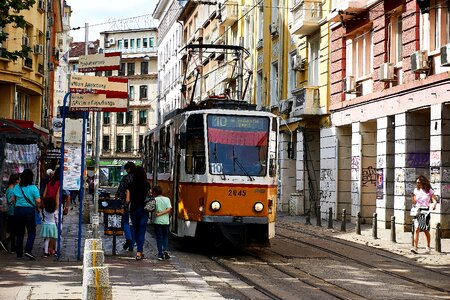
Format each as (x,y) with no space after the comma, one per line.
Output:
(435,158)
(369,176)
(418,160)
(326,180)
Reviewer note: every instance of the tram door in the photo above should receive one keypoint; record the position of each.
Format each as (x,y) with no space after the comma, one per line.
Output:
(176,181)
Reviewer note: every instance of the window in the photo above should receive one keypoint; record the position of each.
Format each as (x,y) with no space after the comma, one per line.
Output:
(142,117)
(259,82)
(119,44)
(395,39)
(125,43)
(120,118)
(122,69)
(144,67)
(138,43)
(313,61)
(128,143)
(129,117)
(132,45)
(131,93)
(439,24)
(108,73)
(261,23)
(143,92)
(275,12)
(274,84)
(151,42)
(22,106)
(106,118)
(195,145)
(105,143)
(164,154)
(119,143)
(292,75)
(359,54)
(144,42)
(130,68)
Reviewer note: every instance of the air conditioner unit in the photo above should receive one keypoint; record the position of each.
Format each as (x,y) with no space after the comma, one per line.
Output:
(387,72)
(112,41)
(445,55)
(38,49)
(273,27)
(349,84)
(419,61)
(25,40)
(297,63)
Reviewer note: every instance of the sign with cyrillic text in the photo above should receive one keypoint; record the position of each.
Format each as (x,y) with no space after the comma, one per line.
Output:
(99,62)
(112,87)
(97,102)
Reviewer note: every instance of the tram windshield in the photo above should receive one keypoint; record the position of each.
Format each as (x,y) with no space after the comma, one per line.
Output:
(238,145)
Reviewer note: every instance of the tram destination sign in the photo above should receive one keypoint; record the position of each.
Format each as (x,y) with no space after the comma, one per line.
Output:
(97,102)
(99,62)
(112,87)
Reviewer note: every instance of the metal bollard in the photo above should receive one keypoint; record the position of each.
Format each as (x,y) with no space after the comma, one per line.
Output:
(330,217)
(437,244)
(308,218)
(374,226)
(344,221)
(358,223)
(393,233)
(319,217)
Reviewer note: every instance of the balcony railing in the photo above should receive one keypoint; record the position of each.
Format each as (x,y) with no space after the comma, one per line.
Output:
(228,13)
(307,14)
(345,9)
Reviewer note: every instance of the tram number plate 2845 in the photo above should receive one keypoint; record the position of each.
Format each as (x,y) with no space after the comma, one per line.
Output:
(241,193)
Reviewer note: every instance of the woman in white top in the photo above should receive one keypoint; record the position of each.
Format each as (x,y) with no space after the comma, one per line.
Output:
(421,198)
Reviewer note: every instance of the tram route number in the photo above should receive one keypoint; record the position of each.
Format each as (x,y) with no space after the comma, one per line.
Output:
(241,193)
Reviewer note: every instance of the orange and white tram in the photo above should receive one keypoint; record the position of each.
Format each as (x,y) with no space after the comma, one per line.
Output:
(218,165)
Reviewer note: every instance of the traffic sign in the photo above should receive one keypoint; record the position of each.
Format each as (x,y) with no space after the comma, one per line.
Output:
(112,87)
(99,62)
(97,102)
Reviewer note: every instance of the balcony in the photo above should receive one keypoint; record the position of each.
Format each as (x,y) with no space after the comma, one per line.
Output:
(226,73)
(306,102)
(346,9)
(228,13)
(307,14)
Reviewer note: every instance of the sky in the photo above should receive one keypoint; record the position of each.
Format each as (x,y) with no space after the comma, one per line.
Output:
(111,14)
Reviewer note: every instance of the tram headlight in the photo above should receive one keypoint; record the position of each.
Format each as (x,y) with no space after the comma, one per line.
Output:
(215,205)
(258,207)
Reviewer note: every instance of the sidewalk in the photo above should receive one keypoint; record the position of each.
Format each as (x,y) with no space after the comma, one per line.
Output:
(46,278)
(402,245)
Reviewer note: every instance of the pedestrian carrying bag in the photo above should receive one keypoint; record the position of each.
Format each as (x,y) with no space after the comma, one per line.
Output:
(37,215)
(414,211)
(150,204)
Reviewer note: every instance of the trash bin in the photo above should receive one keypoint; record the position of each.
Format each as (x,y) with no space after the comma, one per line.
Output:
(113,216)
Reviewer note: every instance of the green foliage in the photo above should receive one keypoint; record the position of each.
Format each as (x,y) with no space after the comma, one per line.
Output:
(10,14)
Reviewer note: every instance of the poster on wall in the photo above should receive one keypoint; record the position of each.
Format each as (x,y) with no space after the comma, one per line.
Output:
(380,183)
(72,166)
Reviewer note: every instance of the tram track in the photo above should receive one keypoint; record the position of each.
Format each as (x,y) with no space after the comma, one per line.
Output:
(343,250)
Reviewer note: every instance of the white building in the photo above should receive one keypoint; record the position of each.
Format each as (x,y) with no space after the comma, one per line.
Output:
(170,34)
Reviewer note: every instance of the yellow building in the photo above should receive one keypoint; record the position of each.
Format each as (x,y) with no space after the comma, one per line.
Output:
(22,82)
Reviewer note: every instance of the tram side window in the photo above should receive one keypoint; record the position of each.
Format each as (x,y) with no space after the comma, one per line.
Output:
(149,153)
(195,147)
(164,154)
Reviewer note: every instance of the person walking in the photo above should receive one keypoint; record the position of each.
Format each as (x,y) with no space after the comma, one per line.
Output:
(422,196)
(129,167)
(10,225)
(161,222)
(27,200)
(52,191)
(49,231)
(135,197)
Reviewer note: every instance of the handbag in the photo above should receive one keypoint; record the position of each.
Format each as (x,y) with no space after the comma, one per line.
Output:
(37,215)
(414,211)
(150,204)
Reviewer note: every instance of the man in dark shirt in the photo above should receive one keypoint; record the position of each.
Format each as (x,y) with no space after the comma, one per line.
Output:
(129,167)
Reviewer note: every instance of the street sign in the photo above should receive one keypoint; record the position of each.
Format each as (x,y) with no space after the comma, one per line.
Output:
(112,87)
(99,62)
(97,102)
